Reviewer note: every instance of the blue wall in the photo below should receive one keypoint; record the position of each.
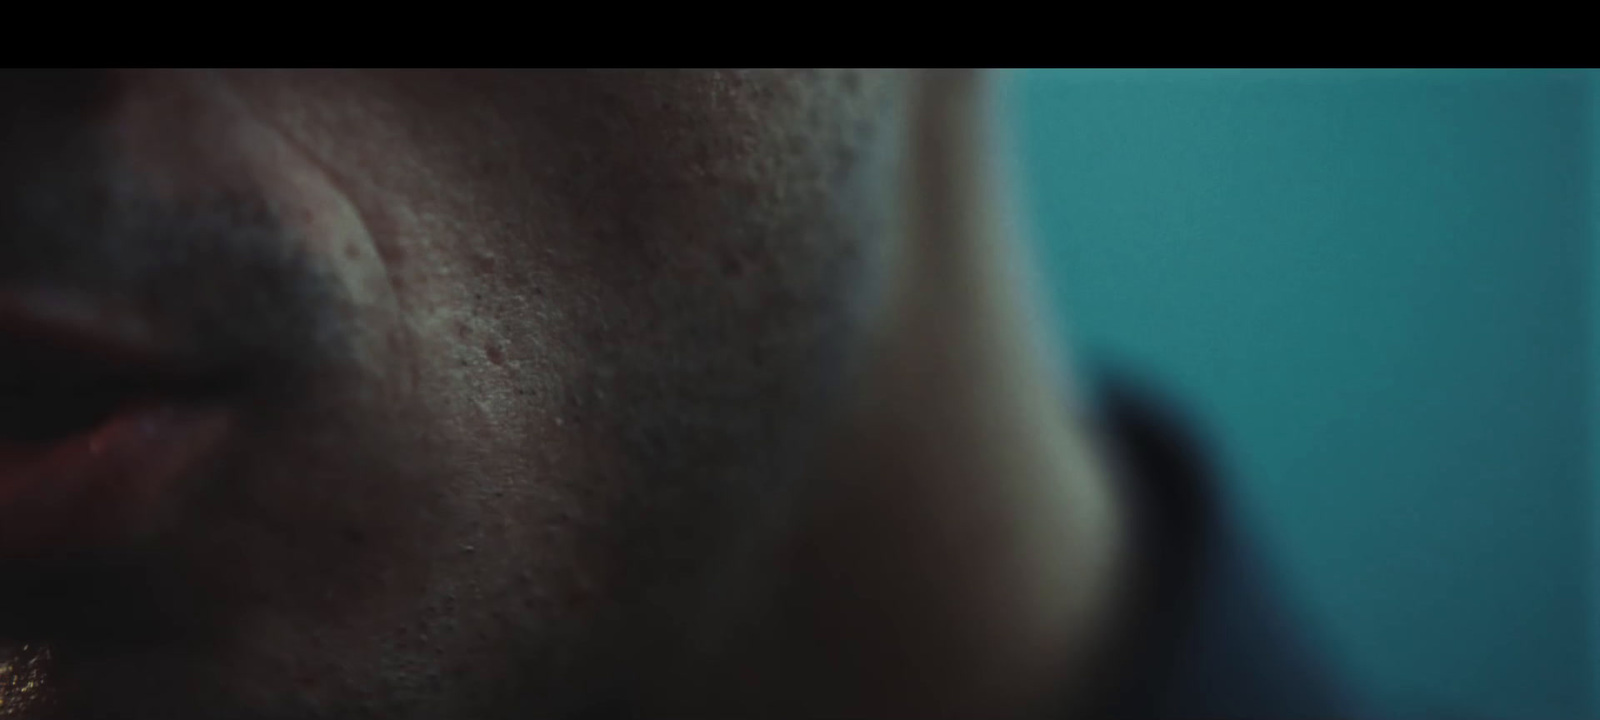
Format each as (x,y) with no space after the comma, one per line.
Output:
(1594,378)
(1373,288)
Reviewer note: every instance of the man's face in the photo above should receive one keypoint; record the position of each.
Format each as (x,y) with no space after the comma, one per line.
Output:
(410,394)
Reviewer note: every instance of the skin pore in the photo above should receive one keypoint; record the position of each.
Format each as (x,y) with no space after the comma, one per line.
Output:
(587,393)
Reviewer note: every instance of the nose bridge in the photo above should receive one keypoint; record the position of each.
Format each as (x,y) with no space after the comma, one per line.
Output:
(47,127)
(55,121)
(43,92)
(41,109)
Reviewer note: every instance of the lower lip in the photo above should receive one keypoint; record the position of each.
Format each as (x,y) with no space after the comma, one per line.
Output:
(106,484)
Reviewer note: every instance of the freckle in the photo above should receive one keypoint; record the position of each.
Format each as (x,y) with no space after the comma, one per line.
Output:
(495,356)
(352,252)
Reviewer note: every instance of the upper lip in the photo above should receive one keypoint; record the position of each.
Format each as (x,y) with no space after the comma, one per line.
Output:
(91,336)
(75,322)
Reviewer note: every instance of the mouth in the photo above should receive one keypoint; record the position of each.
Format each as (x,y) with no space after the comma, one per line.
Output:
(99,417)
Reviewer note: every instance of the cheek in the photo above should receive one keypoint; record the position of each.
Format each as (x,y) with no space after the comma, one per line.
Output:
(588,349)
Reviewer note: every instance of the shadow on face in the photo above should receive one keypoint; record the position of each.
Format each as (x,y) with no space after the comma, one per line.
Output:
(416,394)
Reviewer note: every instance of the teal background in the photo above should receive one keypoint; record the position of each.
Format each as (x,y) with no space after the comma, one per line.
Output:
(1374,289)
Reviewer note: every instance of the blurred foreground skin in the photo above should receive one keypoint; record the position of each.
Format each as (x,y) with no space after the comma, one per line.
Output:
(535,394)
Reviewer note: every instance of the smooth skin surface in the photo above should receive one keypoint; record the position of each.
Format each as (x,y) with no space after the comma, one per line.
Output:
(561,394)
